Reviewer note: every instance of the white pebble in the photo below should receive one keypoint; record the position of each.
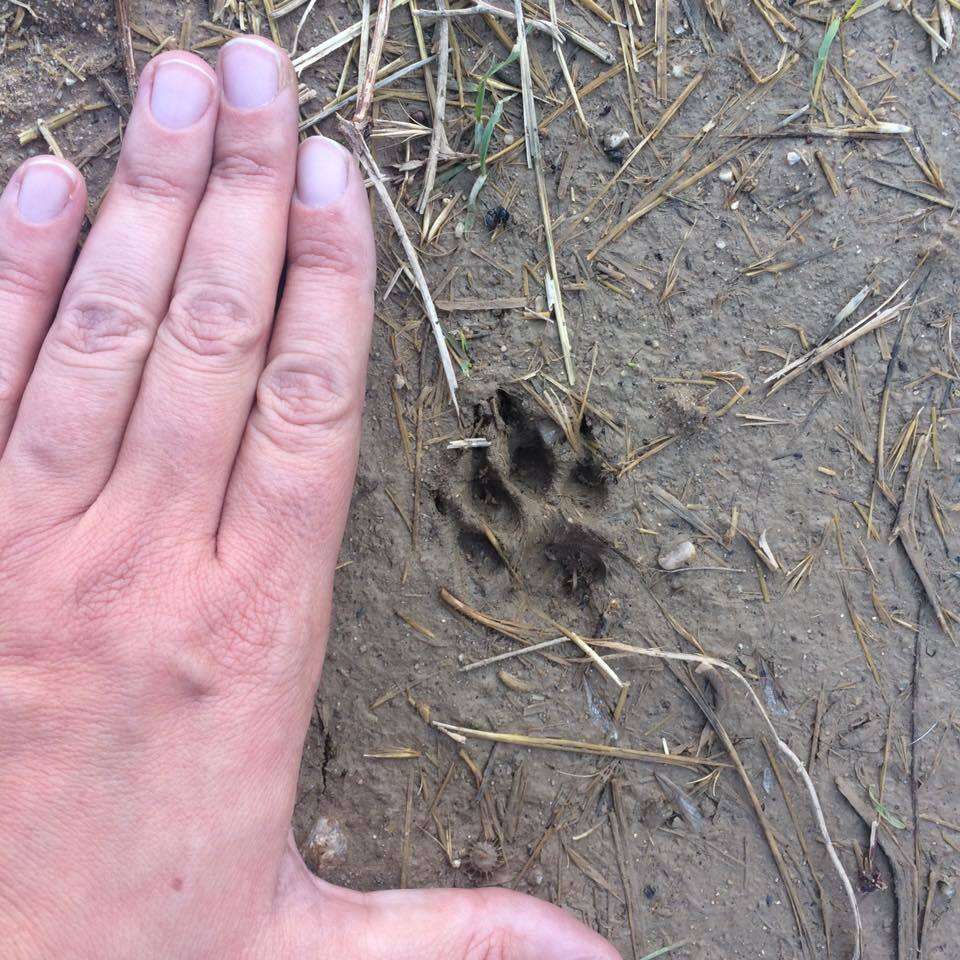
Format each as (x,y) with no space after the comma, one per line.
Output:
(678,556)
(793,158)
(615,139)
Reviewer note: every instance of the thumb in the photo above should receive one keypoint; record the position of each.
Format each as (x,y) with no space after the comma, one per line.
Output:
(321,921)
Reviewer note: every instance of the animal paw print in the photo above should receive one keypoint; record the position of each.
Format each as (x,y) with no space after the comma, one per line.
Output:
(511,504)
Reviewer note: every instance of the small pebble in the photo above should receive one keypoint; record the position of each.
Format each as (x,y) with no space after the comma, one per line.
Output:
(677,70)
(509,139)
(615,139)
(721,244)
(680,555)
(725,175)
(326,846)
(793,158)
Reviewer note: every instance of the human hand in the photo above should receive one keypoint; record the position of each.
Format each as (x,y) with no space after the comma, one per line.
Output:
(177,461)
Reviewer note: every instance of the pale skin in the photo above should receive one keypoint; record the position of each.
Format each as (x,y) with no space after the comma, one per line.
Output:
(176,461)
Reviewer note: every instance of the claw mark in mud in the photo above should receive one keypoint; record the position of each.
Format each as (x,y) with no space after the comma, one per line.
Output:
(474,543)
(529,440)
(489,490)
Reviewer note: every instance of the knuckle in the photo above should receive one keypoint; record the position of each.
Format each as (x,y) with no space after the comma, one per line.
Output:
(98,324)
(244,622)
(214,320)
(244,169)
(152,186)
(115,572)
(335,257)
(298,393)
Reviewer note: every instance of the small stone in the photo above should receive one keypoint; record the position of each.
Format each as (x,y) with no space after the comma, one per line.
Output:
(326,846)
(509,139)
(793,158)
(721,244)
(615,139)
(677,556)
(725,175)
(677,70)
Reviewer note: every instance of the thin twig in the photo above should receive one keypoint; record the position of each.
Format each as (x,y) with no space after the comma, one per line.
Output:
(490,9)
(366,160)
(438,140)
(535,159)
(562,60)
(126,47)
(367,83)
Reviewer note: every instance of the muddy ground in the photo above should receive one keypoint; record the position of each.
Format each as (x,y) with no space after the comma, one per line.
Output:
(540,527)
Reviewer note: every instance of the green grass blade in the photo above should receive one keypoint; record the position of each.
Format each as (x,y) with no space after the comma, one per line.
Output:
(829,36)
(852,10)
(663,951)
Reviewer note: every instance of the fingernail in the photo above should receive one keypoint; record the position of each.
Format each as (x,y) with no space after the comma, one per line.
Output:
(251,72)
(323,169)
(45,190)
(181,94)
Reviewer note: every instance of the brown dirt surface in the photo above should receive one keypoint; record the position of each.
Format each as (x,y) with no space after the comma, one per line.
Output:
(713,289)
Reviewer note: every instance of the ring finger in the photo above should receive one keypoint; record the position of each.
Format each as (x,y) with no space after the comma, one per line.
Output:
(76,404)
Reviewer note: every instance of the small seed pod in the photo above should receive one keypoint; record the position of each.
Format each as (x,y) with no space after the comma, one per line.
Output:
(483,858)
